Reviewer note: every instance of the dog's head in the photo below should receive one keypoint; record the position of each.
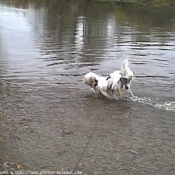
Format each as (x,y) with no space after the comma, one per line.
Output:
(125,83)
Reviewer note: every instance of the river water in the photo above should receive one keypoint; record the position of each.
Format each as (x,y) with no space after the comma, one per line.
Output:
(50,120)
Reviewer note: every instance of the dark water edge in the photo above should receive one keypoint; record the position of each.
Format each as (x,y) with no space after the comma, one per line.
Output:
(161,12)
(157,3)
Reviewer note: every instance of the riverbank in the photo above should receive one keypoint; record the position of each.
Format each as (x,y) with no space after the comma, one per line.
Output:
(170,3)
(158,3)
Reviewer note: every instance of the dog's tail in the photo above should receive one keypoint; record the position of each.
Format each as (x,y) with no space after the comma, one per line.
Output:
(125,70)
(91,79)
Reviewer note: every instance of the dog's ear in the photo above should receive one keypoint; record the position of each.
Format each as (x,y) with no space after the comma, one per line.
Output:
(124,81)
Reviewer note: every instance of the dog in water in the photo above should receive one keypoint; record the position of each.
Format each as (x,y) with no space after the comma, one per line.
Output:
(114,85)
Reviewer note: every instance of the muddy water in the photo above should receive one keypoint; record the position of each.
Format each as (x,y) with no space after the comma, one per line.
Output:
(51,121)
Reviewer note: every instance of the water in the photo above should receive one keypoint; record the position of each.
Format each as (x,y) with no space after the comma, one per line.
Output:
(168,105)
(51,121)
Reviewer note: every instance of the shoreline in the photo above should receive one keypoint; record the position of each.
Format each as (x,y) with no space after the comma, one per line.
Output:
(154,3)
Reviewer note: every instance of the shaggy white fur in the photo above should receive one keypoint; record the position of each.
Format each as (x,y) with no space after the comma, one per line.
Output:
(113,86)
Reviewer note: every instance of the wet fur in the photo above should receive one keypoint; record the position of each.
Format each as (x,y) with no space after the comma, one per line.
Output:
(113,86)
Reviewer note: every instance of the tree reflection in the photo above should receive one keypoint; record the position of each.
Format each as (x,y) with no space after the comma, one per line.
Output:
(70,28)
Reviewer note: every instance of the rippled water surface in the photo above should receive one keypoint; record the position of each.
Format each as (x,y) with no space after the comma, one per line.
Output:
(50,120)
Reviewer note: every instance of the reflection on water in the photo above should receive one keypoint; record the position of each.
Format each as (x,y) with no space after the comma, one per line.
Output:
(50,120)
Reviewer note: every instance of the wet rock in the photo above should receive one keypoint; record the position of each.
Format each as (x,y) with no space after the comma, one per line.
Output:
(66,132)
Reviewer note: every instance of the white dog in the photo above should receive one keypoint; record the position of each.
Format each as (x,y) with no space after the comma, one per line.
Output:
(113,86)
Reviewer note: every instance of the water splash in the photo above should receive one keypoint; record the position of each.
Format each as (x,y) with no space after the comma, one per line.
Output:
(169,105)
